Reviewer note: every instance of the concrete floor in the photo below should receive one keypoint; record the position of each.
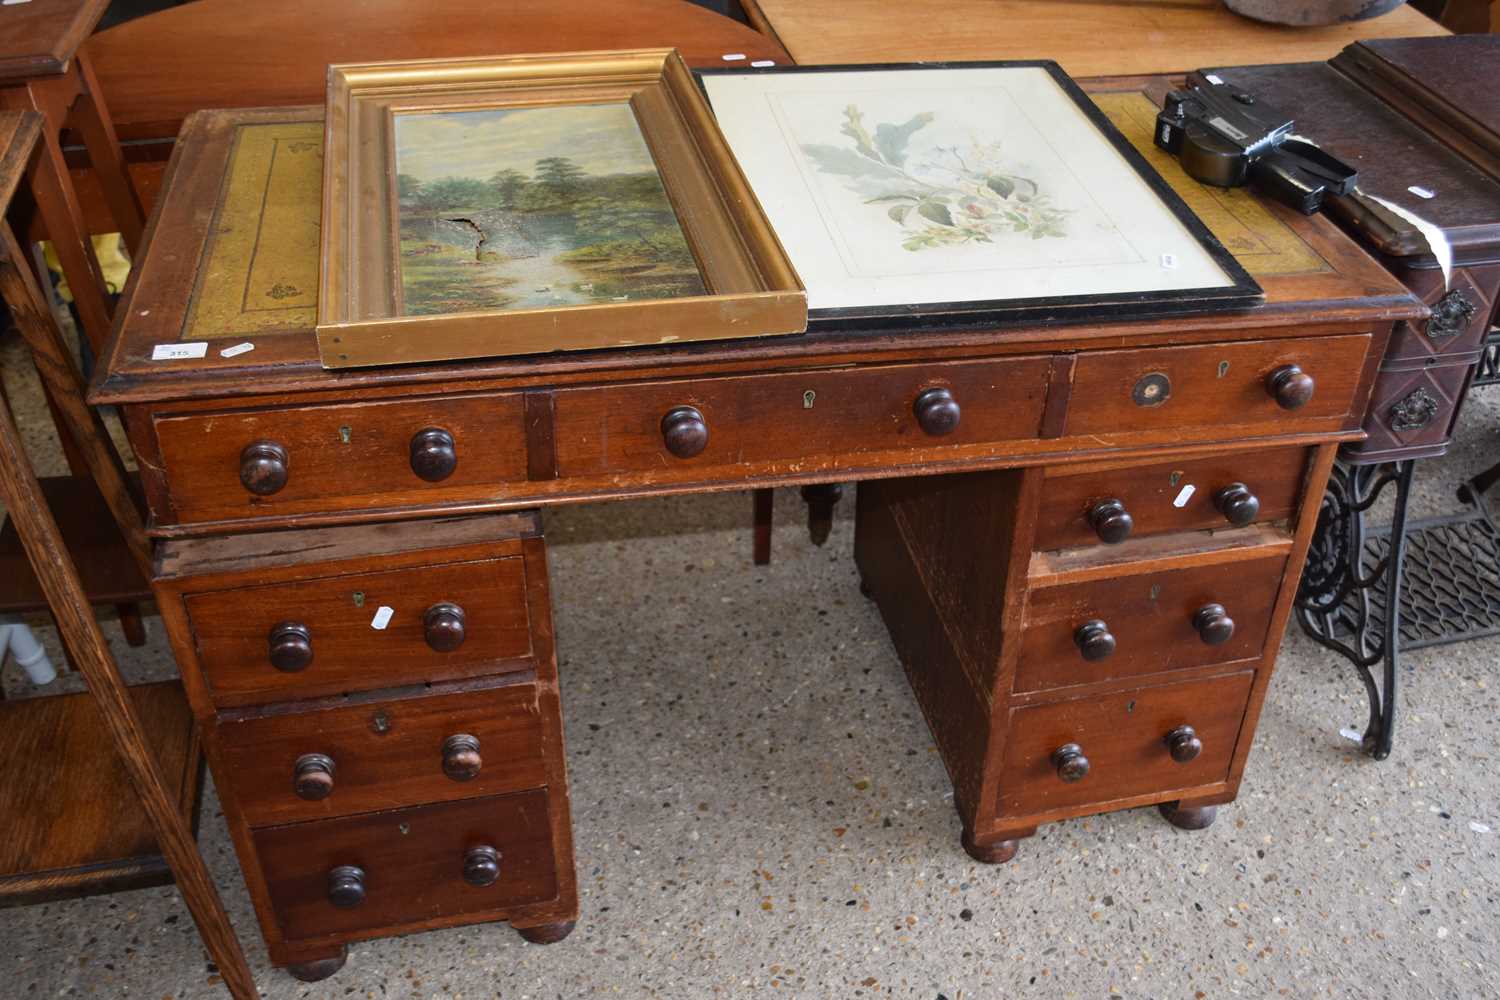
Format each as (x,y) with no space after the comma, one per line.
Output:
(759,807)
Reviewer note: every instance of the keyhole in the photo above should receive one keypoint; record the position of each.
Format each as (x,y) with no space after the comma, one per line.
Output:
(380,722)
(1155,591)
(807,399)
(344,434)
(1130,707)
(1223,368)
(359,598)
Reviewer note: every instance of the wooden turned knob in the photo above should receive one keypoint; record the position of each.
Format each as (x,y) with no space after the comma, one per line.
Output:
(1094,640)
(1238,505)
(290,646)
(433,454)
(1183,744)
(1111,521)
(1213,623)
(263,467)
(1290,386)
(312,776)
(443,627)
(481,866)
(937,412)
(684,431)
(1070,762)
(346,886)
(461,760)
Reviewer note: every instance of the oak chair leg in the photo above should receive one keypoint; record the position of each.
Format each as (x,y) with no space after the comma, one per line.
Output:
(761,519)
(58,577)
(105,156)
(547,933)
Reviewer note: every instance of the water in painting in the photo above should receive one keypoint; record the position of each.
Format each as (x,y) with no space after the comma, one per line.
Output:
(525,208)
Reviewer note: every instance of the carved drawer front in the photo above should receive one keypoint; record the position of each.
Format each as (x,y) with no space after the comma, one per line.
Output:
(1413,409)
(1148,620)
(1093,504)
(1272,386)
(835,419)
(1139,742)
(249,463)
(389,870)
(364,755)
(361,631)
(1460,314)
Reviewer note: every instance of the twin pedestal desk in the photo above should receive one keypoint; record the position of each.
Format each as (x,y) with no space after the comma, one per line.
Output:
(1084,539)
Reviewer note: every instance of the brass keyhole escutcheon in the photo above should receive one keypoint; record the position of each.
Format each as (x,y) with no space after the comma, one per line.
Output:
(808,397)
(1155,591)
(1152,389)
(359,598)
(345,434)
(1175,478)
(380,722)
(1223,368)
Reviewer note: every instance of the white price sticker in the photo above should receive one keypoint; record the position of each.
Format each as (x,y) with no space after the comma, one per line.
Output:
(237,349)
(1422,192)
(763,63)
(177,352)
(382,617)
(732,56)
(1184,495)
(1211,78)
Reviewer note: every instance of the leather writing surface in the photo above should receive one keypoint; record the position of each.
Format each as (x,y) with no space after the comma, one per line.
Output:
(1260,241)
(260,269)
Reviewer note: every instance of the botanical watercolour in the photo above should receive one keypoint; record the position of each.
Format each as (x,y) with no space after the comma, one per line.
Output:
(525,208)
(898,187)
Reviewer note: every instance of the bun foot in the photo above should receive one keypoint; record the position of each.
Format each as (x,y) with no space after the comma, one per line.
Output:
(316,971)
(1188,817)
(997,853)
(547,933)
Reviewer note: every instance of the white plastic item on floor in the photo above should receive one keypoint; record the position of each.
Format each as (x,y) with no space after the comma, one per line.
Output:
(18,639)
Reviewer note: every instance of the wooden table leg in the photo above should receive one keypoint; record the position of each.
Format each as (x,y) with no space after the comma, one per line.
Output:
(108,162)
(764,501)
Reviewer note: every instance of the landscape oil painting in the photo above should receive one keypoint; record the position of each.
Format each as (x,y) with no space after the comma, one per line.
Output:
(526,208)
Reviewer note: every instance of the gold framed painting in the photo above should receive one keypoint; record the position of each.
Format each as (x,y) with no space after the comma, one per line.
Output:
(526,204)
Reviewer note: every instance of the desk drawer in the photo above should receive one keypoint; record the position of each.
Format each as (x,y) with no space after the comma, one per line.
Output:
(1146,621)
(1211,385)
(322,631)
(289,767)
(1153,497)
(312,458)
(831,416)
(412,863)
(1124,738)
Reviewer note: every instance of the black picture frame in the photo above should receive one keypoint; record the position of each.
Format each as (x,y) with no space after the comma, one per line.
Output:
(1243,292)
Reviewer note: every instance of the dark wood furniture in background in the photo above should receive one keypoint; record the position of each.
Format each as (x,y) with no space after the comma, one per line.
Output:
(70,829)
(1088,37)
(1413,115)
(268,439)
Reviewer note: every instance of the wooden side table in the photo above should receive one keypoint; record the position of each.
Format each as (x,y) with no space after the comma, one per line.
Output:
(42,70)
(20,139)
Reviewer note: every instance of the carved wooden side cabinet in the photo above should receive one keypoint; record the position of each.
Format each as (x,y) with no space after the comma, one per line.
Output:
(1083,538)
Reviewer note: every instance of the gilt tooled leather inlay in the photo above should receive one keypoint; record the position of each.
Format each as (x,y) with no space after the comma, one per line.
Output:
(1451,315)
(1413,411)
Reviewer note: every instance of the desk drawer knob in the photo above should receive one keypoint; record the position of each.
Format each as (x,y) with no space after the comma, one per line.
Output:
(1111,521)
(1290,386)
(1070,762)
(684,431)
(1238,505)
(461,760)
(481,866)
(937,412)
(263,467)
(433,454)
(1183,744)
(1214,625)
(346,886)
(1094,640)
(290,647)
(312,776)
(443,627)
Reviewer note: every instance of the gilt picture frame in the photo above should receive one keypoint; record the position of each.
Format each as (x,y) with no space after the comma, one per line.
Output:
(528,204)
(965,193)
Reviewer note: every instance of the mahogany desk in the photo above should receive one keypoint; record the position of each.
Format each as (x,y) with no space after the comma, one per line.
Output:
(1083,631)
(1088,37)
